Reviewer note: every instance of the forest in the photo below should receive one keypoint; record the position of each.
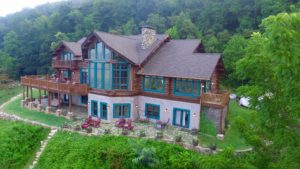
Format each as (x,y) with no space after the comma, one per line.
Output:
(259,41)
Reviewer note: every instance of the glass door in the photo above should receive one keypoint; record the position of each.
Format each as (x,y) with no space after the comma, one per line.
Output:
(181,117)
(103,111)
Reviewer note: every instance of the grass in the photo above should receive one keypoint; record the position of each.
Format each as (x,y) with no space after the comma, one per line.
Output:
(15,108)
(71,150)
(18,143)
(232,135)
(7,92)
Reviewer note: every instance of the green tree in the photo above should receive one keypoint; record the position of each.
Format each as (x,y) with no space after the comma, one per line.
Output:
(172,32)
(234,50)
(59,37)
(272,64)
(11,43)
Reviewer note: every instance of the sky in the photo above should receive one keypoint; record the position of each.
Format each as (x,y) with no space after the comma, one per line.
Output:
(12,6)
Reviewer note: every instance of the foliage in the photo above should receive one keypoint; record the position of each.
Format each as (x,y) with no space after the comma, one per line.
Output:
(6,92)
(145,155)
(274,90)
(207,126)
(233,137)
(18,143)
(30,35)
(118,152)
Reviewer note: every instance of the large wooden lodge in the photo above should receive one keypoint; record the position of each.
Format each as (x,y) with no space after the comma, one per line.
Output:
(141,76)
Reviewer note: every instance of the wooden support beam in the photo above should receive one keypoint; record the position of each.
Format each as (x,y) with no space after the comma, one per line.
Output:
(59,104)
(49,98)
(27,95)
(70,103)
(40,96)
(23,94)
(31,93)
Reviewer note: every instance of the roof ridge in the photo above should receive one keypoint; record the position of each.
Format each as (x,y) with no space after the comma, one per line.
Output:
(123,36)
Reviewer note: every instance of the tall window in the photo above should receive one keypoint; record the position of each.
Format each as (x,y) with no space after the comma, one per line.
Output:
(99,51)
(67,74)
(120,76)
(108,76)
(83,76)
(94,108)
(67,55)
(154,84)
(121,110)
(152,111)
(187,87)
(207,86)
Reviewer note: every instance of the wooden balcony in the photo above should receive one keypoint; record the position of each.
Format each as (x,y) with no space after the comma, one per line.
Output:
(46,83)
(67,64)
(215,100)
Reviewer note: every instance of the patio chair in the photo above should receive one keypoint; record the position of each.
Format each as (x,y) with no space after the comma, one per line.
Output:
(129,125)
(97,123)
(120,123)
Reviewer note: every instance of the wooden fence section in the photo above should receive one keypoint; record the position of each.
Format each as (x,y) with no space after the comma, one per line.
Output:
(215,100)
(46,83)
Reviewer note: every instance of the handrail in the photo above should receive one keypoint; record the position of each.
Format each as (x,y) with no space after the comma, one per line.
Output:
(45,82)
(213,98)
(64,63)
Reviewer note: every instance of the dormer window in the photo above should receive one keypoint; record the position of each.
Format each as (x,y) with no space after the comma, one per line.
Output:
(65,55)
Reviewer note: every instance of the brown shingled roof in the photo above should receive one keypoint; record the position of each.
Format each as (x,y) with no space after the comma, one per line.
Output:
(129,46)
(74,47)
(177,59)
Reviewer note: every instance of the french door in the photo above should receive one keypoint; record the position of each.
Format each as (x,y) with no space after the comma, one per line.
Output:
(181,117)
(103,111)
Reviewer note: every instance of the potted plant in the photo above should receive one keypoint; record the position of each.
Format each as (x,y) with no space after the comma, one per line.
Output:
(89,130)
(142,133)
(195,142)
(159,135)
(107,131)
(178,138)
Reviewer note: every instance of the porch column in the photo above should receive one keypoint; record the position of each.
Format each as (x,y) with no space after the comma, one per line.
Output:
(31,93)
(70,103)
(40,96)
(27,95)
(49,98)
(23,94)
(58,100)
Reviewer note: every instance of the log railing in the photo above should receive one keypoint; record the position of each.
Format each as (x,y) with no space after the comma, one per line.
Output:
(213,99)
(72,64)
(46,83)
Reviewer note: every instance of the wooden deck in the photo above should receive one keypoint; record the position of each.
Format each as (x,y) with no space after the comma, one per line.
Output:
(69,64)
(46,83)
(215,100)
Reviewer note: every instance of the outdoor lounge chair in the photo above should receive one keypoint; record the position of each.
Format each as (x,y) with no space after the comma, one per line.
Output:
(120,123)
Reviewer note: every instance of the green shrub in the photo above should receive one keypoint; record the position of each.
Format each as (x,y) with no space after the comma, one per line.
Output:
(18,143)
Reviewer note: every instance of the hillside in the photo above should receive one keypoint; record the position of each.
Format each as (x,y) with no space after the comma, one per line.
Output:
(28,35)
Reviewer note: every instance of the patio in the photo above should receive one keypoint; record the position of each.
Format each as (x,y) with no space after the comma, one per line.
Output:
(148,128)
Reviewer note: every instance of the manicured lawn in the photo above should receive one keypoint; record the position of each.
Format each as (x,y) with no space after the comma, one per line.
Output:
(19,143)
(7,92)
(232,135)
(49,119)
(71,150)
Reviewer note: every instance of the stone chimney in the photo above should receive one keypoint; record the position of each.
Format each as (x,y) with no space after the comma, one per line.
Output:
(148,36)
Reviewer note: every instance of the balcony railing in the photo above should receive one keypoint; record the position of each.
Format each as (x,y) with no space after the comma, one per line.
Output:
(46,83)
(212,99)
(71,64)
